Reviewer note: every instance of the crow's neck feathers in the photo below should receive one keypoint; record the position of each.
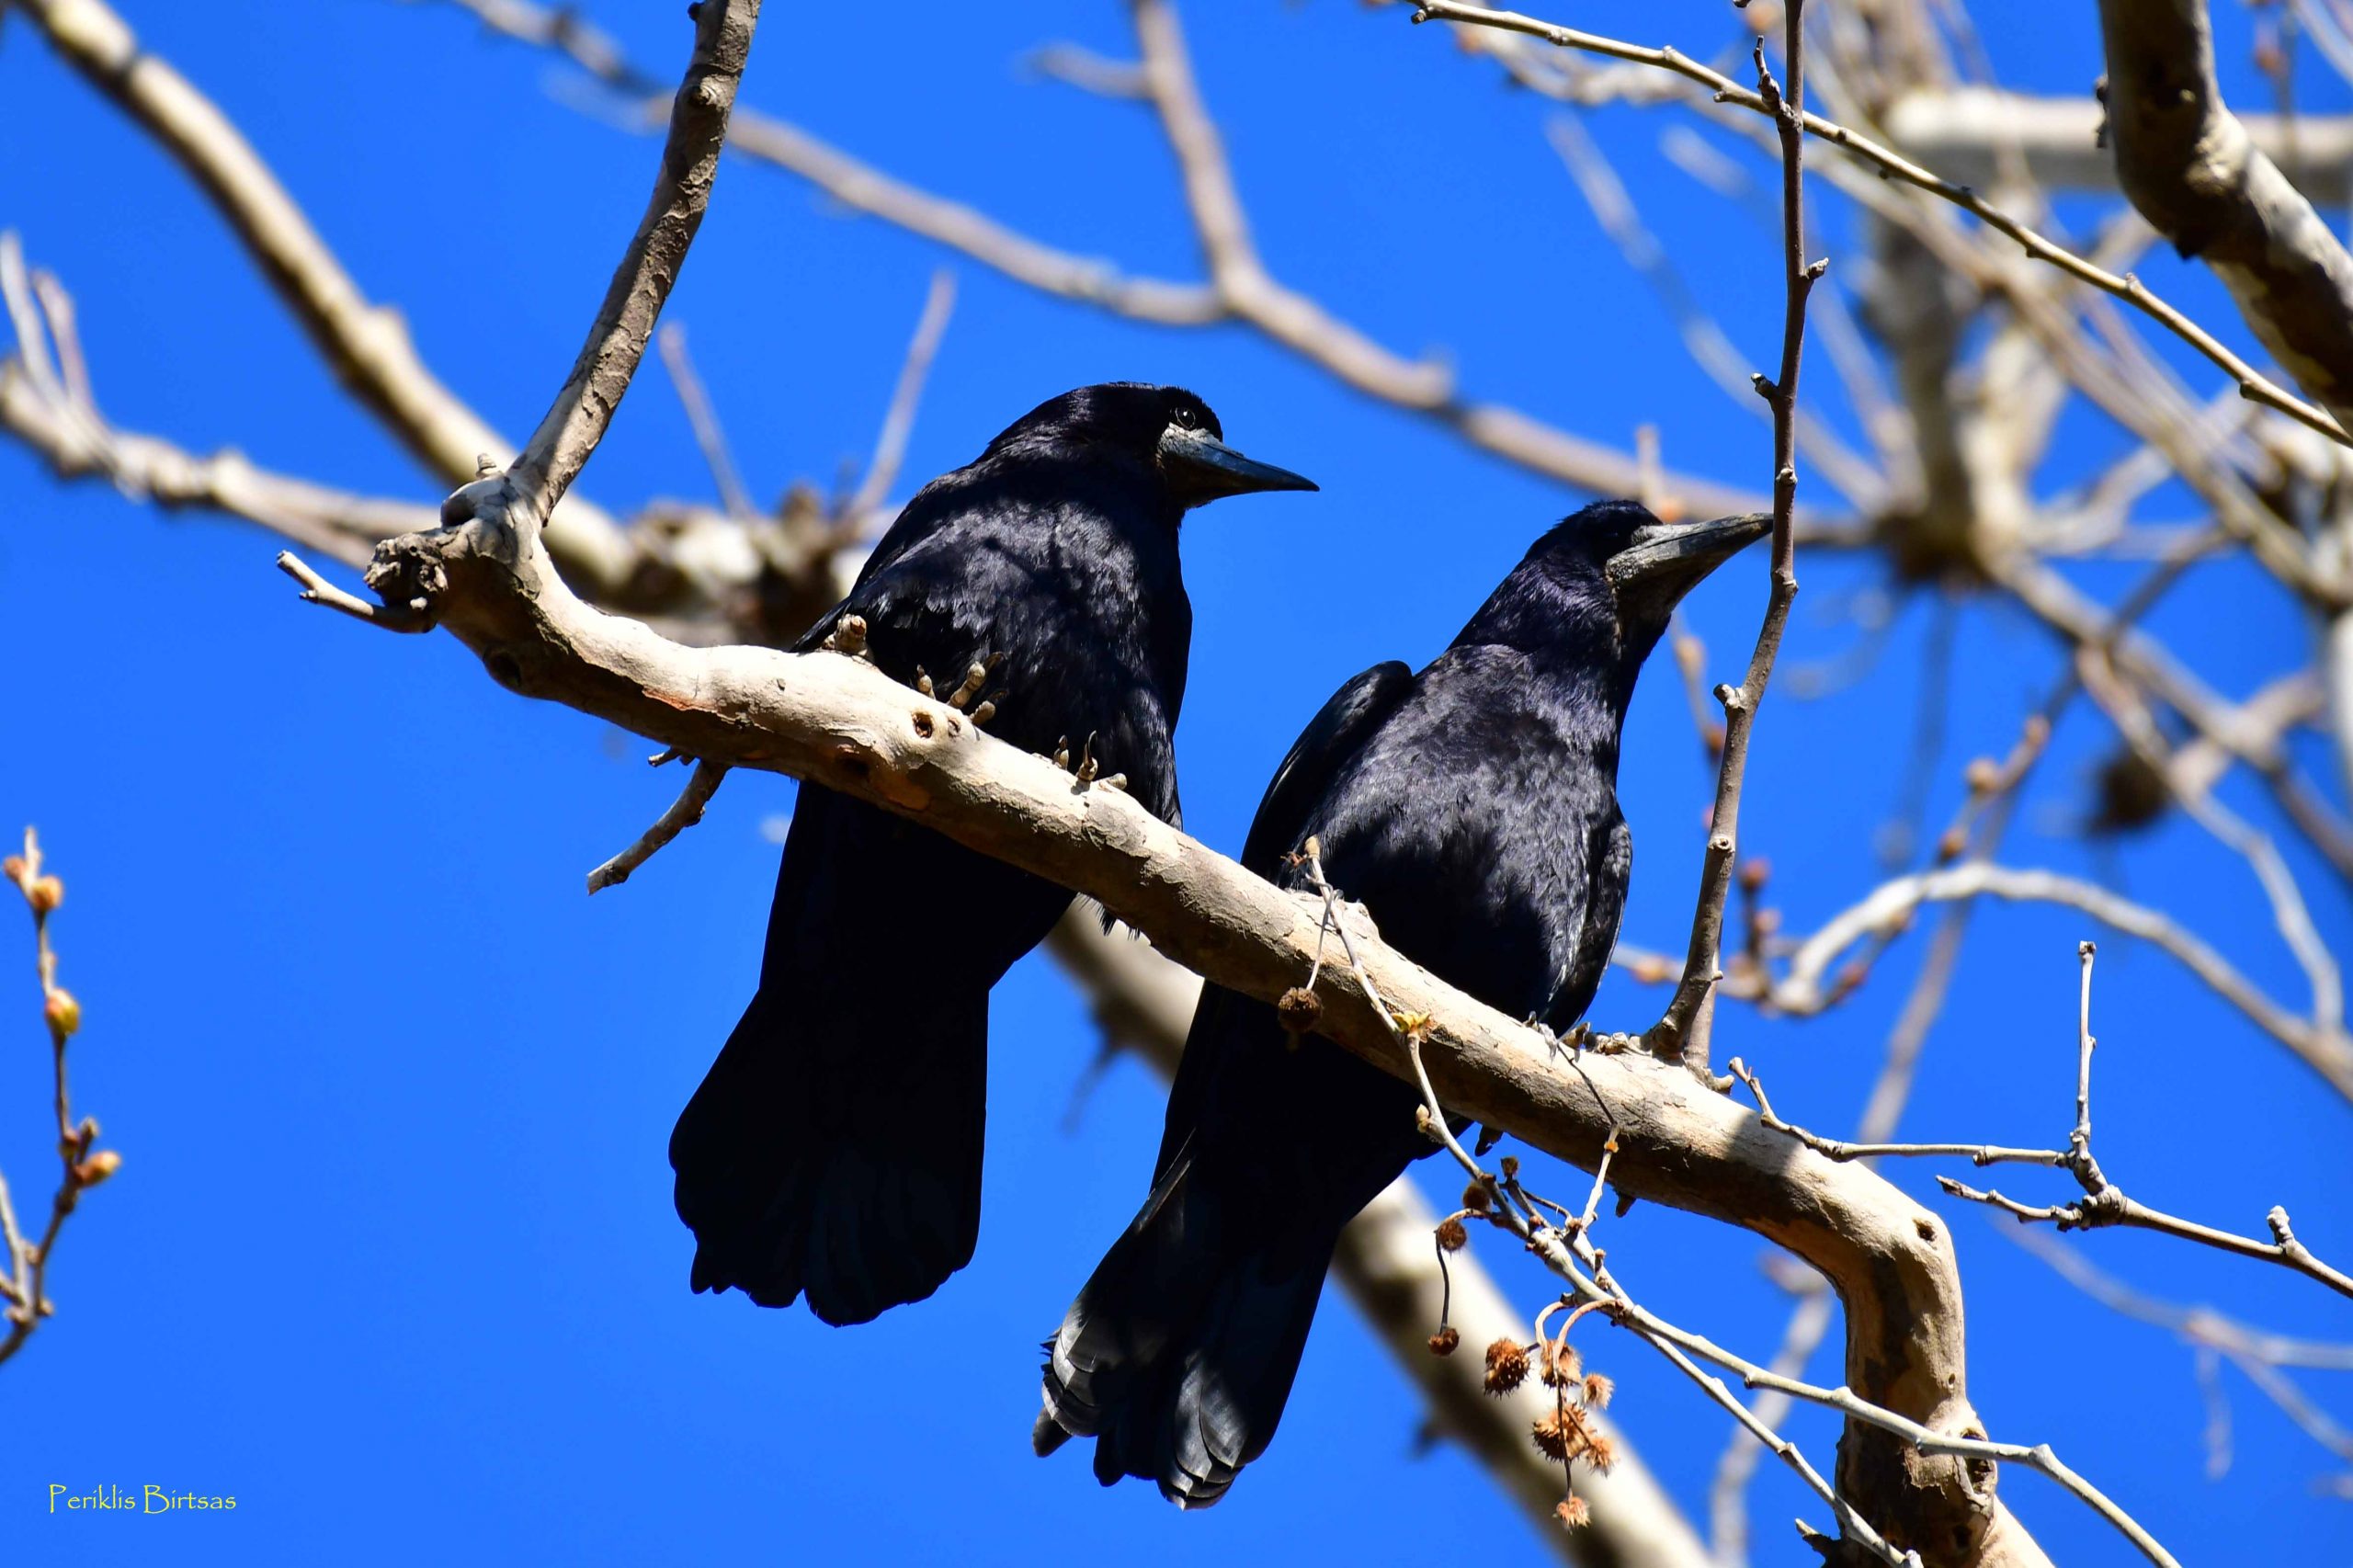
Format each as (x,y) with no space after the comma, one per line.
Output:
(1557,610)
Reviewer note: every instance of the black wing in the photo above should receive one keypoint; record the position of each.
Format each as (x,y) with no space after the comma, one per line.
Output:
(1610,866)
(1338,730)
(1333,736)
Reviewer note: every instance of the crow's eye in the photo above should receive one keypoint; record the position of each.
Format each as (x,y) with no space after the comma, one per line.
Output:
(1186,419)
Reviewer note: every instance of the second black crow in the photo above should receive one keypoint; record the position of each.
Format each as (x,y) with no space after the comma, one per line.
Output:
(1473,808)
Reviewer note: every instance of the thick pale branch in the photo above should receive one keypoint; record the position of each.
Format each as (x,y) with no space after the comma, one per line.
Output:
(687,560)
(2195,173)
(570,428)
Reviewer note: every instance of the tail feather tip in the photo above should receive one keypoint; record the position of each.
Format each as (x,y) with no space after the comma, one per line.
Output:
(1048,1434)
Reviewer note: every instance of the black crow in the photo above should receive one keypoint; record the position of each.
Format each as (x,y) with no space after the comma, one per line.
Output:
(1473,809)
(835,1147)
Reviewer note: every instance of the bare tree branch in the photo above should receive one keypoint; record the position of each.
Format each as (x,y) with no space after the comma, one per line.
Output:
(2251,383)
(367,343)
(1682,1030)
(2216,1338)
(82,1164)
(1245,292)
(899,418)
(704,418)
(1890,907)
(684,813)
(1965,132)
(2196,175)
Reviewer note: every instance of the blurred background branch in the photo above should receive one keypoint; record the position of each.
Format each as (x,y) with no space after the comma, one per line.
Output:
(1957,361)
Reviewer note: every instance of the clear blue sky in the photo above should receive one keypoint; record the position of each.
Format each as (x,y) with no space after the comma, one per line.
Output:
(392,1258)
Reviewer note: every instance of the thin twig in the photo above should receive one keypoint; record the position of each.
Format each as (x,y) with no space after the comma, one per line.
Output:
(704,419)
(2111,1207)
(684,813)
(2104,1203)
(899,419)
(1681,1032)
(1890,907)
(82,1164)
(1836,1149)
(317,590)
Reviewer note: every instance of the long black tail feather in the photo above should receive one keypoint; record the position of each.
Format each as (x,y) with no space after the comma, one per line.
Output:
(1179,1354)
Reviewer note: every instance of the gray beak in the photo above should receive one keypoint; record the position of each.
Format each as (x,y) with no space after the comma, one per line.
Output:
(1202,467)
(1663,560)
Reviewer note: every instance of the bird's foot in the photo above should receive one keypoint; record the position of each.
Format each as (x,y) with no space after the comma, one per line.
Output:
(976,676)
(1085,769)
(1613,1044)
(1570,1044)
(848,639)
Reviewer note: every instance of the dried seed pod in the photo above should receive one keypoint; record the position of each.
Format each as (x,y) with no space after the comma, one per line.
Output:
(1561,1366)
(1506,1366)
(1445,1340)
(1299,1009)
(1451,1236)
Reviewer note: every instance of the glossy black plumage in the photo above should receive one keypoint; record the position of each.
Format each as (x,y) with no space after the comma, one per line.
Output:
(1473,808)
(835,1147)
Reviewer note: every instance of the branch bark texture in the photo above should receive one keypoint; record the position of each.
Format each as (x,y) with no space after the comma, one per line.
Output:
(2191,168)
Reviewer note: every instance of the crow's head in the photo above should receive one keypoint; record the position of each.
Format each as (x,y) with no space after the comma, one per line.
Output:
(1610,577)
(1167,431)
